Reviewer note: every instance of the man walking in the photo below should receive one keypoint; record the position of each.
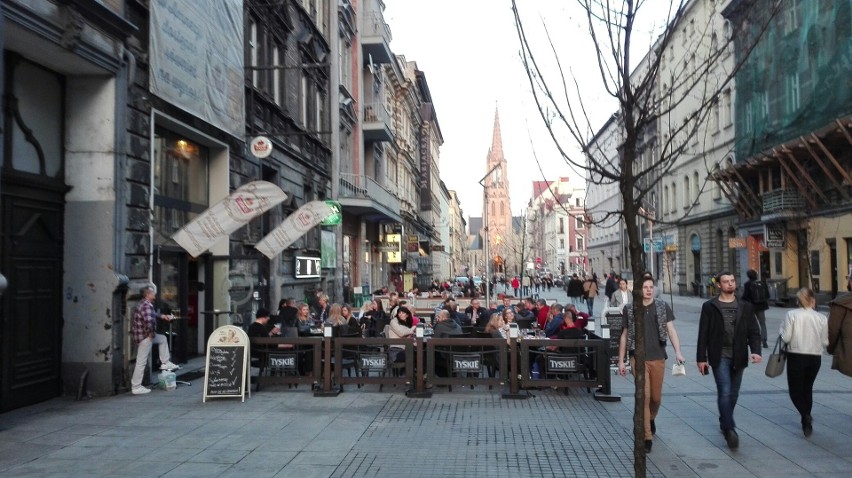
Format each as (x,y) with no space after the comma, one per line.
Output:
(726,330)
(659,328)
(144,328)
(756,292)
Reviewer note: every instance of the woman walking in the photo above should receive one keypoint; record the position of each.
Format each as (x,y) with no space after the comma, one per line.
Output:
(805,331)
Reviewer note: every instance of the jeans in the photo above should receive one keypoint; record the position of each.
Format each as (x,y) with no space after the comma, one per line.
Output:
(802,371)
(728,383)
(590,303)
(143,351)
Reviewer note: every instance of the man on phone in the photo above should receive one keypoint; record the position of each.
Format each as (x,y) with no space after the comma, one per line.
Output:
(726,330)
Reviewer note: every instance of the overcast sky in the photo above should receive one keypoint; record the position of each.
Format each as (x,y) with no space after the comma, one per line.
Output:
(469,52)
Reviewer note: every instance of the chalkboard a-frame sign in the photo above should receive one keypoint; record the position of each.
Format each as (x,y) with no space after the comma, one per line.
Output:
(227,366)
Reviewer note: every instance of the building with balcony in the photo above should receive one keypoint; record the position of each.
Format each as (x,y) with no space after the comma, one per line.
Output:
(789,180)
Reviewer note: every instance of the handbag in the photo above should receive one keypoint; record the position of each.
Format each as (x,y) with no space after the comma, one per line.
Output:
(678,368)
(777,359)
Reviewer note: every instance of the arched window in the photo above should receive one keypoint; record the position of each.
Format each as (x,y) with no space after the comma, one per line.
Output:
(664,207)
(502,208)
(493,211)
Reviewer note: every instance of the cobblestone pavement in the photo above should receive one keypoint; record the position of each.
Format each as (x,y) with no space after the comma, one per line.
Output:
(363,432)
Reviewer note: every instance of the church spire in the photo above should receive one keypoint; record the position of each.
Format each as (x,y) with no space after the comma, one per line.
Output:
(496,139)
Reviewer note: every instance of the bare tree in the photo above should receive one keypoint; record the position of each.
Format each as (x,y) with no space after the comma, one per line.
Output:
(662,103)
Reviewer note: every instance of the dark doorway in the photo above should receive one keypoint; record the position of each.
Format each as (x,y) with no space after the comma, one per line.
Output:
(172,276)
(31,233)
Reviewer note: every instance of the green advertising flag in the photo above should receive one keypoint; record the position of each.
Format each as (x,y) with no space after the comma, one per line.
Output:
(335,218)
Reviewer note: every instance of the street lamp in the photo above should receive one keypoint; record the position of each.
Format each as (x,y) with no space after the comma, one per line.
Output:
(485,220)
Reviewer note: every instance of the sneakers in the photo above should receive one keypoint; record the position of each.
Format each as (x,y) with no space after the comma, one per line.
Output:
(732,438)
(648,445)
(765,345)
(169,366)
(140,390)
(653,428)
(807,425)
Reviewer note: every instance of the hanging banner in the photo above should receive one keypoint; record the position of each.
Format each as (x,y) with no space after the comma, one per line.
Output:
(295,226)
(228,215)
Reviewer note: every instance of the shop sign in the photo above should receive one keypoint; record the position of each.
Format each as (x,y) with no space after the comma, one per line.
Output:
(307,267)
(774,234)
(738,242)
(261,147)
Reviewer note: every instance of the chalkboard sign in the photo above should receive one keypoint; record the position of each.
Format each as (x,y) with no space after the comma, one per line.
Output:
(226,373)
(611,330)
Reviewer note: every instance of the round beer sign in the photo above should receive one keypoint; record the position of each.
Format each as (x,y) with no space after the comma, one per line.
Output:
(261,147)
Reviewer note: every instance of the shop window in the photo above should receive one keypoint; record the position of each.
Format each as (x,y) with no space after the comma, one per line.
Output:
(180,182)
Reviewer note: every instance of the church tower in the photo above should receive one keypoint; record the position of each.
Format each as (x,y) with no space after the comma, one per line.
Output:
(497,201)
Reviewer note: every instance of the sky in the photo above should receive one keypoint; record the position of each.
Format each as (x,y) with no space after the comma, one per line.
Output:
(470,54)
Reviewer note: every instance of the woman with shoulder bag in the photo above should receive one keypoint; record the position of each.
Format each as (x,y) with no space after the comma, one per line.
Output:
(805,331)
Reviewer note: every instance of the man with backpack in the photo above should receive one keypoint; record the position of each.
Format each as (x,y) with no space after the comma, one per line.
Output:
(757,293)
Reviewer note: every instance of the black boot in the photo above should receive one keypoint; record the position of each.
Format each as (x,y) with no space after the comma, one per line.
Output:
(807,425)
(732,438)
(648,445)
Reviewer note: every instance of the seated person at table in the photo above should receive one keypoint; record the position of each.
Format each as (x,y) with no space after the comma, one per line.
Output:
(452,307)
(304,324)
(507,304)
(496,327)
(569,329)
(445,327)
(401,326)
(523,311)
(581,318)
(508,316)
(371,312)
(555,324)
(287,312)
(261,326)
(543,313)
(303,319)
(474,313)
(352,326)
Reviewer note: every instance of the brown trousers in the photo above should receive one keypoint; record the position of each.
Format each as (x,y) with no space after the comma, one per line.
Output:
(655,370)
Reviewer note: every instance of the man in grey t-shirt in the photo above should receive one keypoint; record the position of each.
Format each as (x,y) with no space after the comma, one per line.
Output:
(726,330)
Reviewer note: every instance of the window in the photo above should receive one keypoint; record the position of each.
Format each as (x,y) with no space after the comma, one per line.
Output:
(791,85)
(562,244)
(303,103)
(714,117)
(665,199)
(561,226)
(791,17)
(502,208)
(696,187)
(581,244)
(277,77)
(727,112)
(253,49)
(687,199)
(674,198)
(180,181)
(580,224)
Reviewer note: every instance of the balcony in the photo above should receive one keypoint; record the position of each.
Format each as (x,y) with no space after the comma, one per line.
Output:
(783,204)
(377,122)
(362,196)
(375,39)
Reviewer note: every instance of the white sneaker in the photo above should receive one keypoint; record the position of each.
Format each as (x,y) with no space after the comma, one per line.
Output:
(141,390)
(169,366)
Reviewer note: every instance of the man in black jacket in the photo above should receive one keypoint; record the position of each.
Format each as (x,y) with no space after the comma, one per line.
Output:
(759,300)
(726,331)
(476,315)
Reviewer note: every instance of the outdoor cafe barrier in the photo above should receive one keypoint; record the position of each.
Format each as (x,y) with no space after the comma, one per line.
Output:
(424,362)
